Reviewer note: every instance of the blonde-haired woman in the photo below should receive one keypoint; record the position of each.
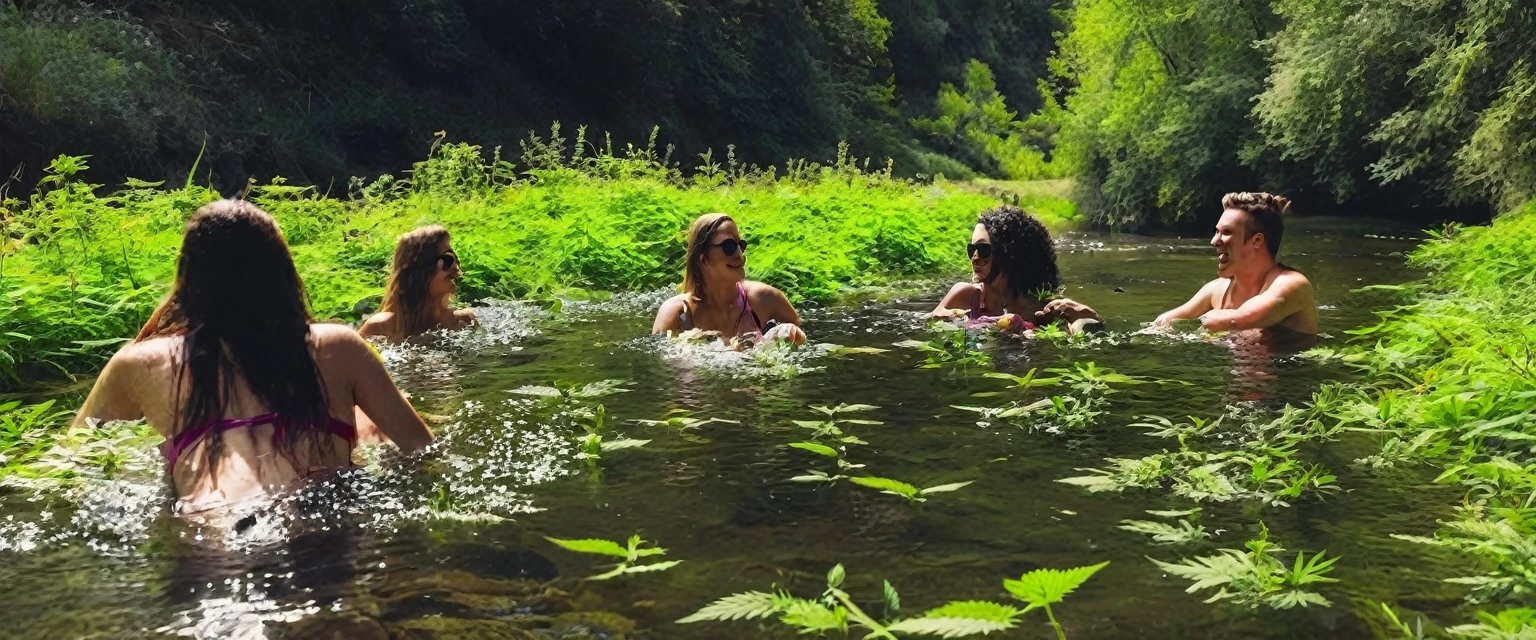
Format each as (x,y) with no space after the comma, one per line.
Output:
(419,297)
(718,298)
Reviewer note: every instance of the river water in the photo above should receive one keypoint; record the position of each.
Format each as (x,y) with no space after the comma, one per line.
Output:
(453,544)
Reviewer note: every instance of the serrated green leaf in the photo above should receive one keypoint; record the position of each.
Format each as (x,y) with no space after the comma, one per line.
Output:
(891,598)
(975,610)
(655,566)
(811,616)
(1048,586)
(741,606)
(592,545)
(857,421)
(843,351)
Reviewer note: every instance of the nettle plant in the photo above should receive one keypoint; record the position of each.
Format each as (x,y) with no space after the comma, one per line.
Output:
(835,609)
(632,554)
(571,400)
(838,454)
(955,348)
(683,422)
(1180,528)
(1251,460)
(1088,385)
(1254,576)
(832,427)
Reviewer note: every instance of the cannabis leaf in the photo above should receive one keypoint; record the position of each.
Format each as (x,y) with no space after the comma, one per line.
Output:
(631,554)
(819,449)
(1043,587)
(742,606)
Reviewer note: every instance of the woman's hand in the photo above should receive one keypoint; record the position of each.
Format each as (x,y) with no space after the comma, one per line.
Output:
(786,332)
(1066,309)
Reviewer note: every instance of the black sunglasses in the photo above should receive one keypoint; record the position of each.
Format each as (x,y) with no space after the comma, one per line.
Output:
(981,250)
(447,261)
(731,246)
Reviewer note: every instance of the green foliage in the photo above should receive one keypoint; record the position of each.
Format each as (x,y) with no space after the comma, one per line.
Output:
(632,553)
(975,122)
(1218,461)
(1185,530)
(79,272)
(955,347)
(1254,577)
(38,447)
(910,492)
(832,427)
(836,611)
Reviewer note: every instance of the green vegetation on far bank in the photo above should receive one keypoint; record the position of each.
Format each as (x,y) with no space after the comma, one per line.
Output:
(80,271)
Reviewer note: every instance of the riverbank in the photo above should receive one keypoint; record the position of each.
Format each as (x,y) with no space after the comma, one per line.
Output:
(81,271)
(1454,373)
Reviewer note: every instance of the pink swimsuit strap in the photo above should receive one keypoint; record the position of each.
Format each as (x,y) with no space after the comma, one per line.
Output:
(746,309)
(173,447)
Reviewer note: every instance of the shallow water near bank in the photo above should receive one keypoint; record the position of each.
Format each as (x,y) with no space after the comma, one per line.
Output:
(452,544)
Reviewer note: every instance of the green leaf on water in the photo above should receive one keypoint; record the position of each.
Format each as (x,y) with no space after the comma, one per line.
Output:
(946,488)
(835,576)
(592,545)
(819,449)
(887,485)
(622,443)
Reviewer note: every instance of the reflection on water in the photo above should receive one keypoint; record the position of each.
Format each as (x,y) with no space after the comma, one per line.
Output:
(450,543)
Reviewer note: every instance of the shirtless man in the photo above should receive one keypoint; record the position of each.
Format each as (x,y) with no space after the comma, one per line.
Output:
(1254,291)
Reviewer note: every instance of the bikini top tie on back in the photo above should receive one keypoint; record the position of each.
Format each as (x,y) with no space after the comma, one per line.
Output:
(174,446)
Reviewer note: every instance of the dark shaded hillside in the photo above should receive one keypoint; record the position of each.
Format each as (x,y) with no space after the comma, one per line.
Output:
(318,91)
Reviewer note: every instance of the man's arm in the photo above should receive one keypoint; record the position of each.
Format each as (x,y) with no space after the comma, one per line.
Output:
(1289,293)
(1196,307)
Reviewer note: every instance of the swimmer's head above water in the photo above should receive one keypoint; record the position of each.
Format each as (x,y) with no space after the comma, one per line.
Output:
(716,254)
(1249,231)
(423,277)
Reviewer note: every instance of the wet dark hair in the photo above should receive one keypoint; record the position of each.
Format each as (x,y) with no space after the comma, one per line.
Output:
(1264,216)
(410,276)
(240,307)
(1022,250)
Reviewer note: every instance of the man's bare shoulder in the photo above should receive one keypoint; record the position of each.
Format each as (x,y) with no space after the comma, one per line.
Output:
(1291,280)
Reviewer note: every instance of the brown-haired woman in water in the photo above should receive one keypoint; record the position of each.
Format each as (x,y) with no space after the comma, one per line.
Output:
(419,297)
(250,393)
(718,298)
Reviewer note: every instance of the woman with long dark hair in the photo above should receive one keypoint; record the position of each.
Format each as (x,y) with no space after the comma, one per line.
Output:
(250,393)
(1014,279)
(423,276)
(718,298)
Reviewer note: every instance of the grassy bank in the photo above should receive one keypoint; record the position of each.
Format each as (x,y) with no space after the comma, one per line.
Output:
(79,271)
(1456,388)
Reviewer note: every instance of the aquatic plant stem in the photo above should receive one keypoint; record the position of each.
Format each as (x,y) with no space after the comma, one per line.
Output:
(876,630)
(1060,635)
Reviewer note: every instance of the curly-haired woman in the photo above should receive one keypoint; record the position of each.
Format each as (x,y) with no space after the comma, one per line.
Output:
(1015,280)
(422,280)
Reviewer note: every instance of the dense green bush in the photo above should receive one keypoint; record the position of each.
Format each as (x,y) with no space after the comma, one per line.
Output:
(1402,109)
(316,92)
(79,272)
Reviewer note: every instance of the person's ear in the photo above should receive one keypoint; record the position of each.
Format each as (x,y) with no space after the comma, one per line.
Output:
(1256,240)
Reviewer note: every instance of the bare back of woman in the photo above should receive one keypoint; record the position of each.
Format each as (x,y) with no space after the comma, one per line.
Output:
(251,396)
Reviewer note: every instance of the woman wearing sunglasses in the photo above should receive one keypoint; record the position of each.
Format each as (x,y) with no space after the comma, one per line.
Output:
(718,298)
(1014,277)
(422,280)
